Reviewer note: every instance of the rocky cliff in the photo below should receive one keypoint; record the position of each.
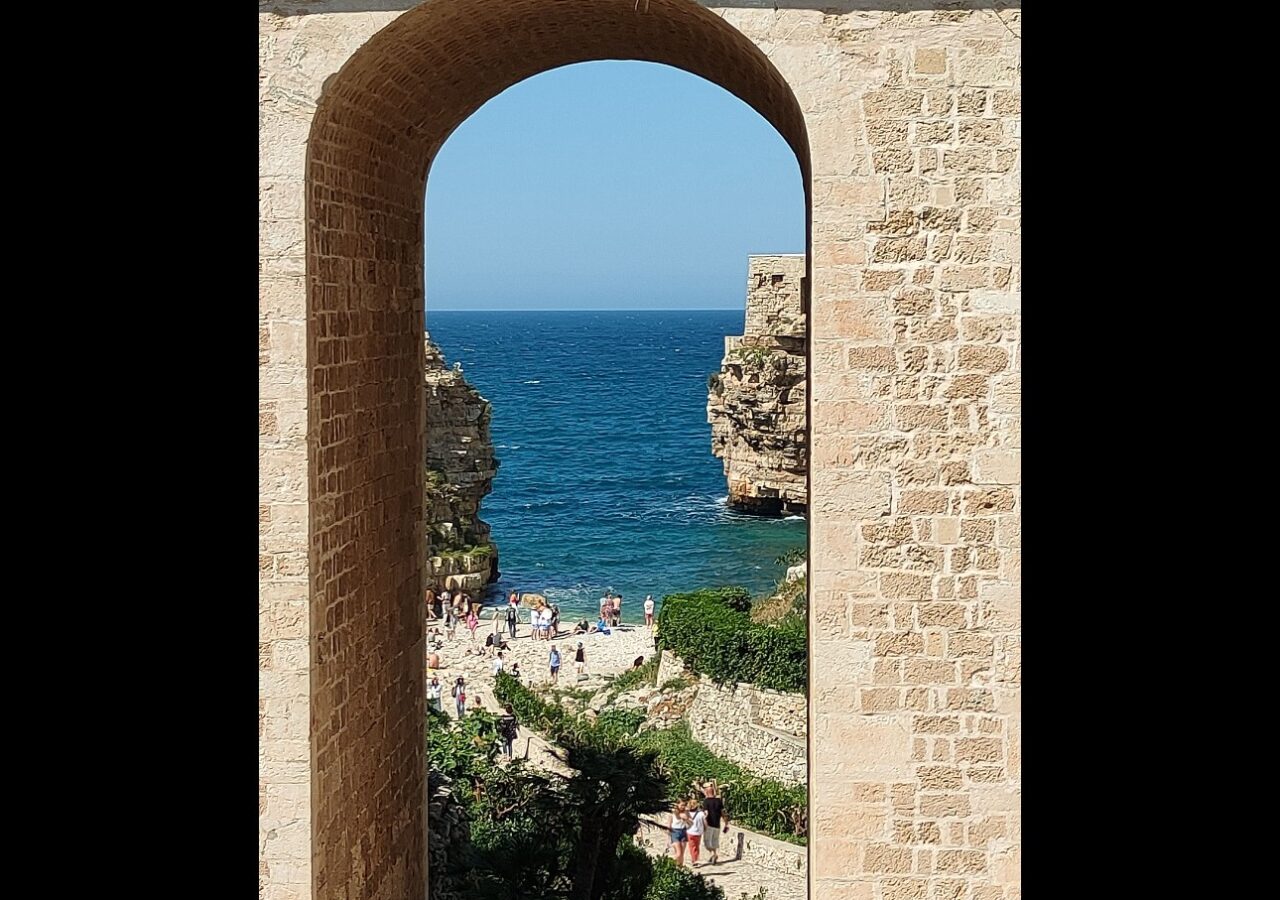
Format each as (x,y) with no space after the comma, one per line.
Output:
(756,402)
(460,470)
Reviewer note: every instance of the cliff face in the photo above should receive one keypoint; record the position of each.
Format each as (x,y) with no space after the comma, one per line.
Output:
(756,403)
(460,470)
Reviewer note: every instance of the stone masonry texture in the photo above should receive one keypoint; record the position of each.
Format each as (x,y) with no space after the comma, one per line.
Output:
(756,403)
(906,120)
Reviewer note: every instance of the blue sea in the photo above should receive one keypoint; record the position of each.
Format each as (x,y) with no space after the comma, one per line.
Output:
(606,478)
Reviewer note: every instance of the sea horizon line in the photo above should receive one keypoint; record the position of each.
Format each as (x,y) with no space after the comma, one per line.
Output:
(592,309)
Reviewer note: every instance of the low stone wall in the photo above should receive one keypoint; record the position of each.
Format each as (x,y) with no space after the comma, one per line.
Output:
(784,858)
(765,852)
(760,730)
(669,666)
(781,712)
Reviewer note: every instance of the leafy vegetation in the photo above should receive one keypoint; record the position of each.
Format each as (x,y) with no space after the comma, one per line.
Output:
(790,598)
(631,679)
(671,882)
(761,804)
(792,557)
(535,836)
(754,357)
(480,550)
(679,683)
(712,631)
(465,752)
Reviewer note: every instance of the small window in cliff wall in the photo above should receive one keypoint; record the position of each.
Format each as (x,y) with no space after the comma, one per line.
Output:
(777,279)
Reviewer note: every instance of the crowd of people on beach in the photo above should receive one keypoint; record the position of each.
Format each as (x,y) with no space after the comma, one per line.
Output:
(455,608)
(446,610)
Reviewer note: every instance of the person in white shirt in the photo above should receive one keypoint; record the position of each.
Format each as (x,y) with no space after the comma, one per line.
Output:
(648,611)
(497,665)
(697,825)
(433,693)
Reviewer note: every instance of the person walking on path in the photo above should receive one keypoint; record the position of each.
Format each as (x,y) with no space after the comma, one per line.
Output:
(648,610)
(679,832)
(460,695)
(555,664)
(433,693)
(513,616)
(508,728)
(472,624)
(717,822)
(697,825)
(497,664)
(580,659)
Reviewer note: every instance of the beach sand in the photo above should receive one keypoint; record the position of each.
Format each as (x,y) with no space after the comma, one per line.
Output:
(606,654)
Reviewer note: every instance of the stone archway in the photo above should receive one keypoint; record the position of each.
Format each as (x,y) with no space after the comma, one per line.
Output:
(913,118)
(378,124)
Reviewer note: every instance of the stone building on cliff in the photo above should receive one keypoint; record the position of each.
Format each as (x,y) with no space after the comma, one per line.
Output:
(756,402)
(460,466)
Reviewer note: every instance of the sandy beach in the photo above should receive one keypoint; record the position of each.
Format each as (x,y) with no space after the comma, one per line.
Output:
(606,654)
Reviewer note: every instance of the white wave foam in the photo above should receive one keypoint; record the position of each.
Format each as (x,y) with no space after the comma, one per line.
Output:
(531,382)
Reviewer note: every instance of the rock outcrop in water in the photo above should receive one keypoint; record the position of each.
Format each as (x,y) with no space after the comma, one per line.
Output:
(756,403)
(460,468)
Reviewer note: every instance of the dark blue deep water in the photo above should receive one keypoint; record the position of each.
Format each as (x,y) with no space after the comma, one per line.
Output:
(606,477)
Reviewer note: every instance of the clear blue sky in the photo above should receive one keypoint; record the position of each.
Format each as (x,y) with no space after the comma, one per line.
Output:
(617,185)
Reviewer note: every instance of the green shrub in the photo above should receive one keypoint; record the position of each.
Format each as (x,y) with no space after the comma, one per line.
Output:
(792,557)
(611,728)
(614,726)
(531,710)
(672,882)
(462,751)
(761,804)
(712,631)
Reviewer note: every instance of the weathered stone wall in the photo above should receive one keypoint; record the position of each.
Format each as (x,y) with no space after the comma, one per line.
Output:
(756,403)
(785,713)
(759,729)
(460,469)
(907,123)
(727,721)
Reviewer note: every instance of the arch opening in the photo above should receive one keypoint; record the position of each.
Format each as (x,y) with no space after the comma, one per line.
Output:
(379,125)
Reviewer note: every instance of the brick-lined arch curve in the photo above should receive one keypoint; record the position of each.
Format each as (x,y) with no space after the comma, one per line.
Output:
(380,122)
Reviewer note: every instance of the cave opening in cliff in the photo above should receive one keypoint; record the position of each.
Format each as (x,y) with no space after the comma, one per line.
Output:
(471,434)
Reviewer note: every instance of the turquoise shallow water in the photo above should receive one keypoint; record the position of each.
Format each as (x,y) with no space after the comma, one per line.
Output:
(607,479)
